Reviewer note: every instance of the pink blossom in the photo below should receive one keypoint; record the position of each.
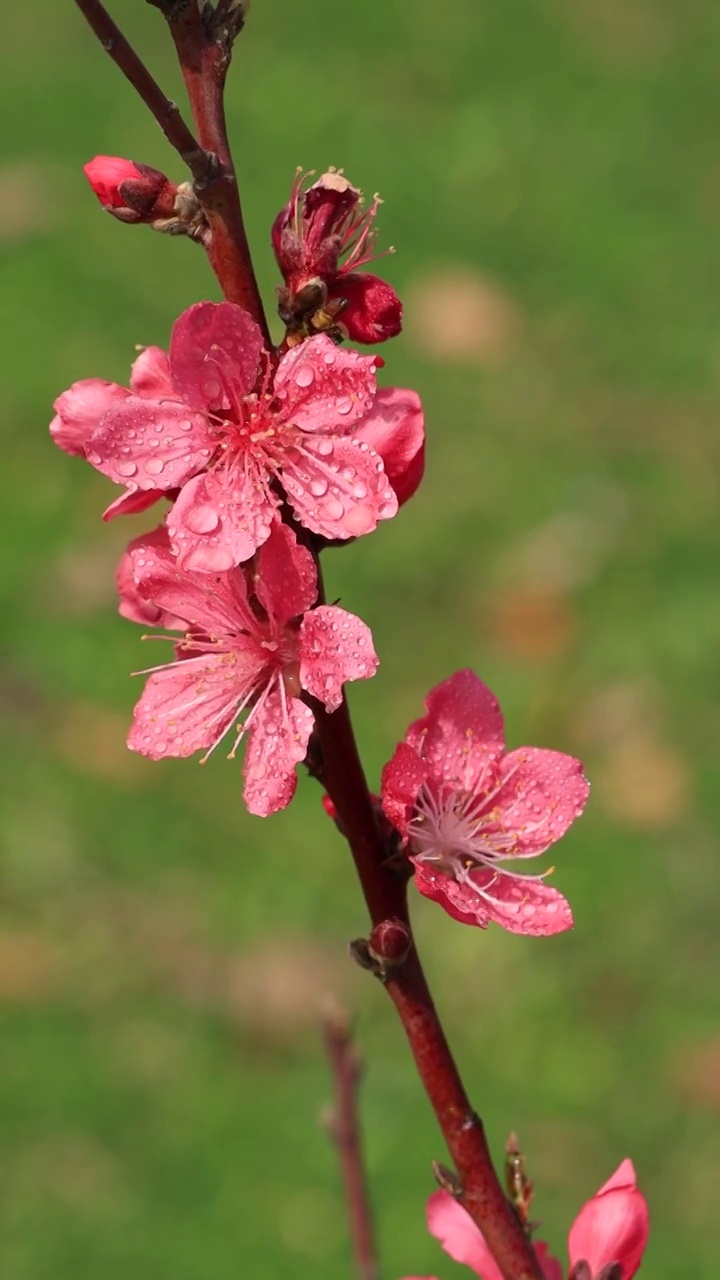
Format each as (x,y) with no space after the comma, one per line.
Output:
(131,192)
(464,805)
(195,423)
(320,237)
(607,1239)
(253,644)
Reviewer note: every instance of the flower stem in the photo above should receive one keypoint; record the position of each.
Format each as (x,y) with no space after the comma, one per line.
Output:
(483,1197)
(344,1128)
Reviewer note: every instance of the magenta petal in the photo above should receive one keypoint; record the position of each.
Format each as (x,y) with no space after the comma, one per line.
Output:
(520,904)
(544,793)
(335,647)
(215,606)
(277,742)
(402,779)
(459,1237)
(132,502)
(153,444)
(395,429)
(338,487)
(150,375)
(220,520)
(133,605)
(286,577)
(624,1176)
(215,348)
(325,388)
(611,1227)
(185,707)
(79,410)
(373,312)
(462,735)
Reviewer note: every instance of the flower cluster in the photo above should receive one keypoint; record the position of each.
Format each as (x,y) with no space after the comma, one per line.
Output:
(606,1242)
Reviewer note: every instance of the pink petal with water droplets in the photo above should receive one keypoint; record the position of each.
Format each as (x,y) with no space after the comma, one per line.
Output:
(395,429)
(79,410)
(335,647)
(462,735)
(220,519)
(285,575)
(373,312)
(133,605)
(186,707)
(132,502)
(402,778)
(152,444)
(324,388)
(150,375)
(517,903)
(337,487)
(545,792)
(214,605)
(611,1227)
(277,742)
(213,345)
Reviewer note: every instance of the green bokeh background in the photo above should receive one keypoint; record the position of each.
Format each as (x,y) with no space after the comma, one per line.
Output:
(551,172)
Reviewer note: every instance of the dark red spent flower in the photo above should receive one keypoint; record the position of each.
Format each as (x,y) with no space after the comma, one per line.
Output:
(320,238)
(131,192)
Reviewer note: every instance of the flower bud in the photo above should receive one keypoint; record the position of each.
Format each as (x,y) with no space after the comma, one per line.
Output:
(389,943)
(131,192)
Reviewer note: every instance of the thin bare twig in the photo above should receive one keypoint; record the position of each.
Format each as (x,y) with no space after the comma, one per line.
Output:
(344,1128)
(200,163)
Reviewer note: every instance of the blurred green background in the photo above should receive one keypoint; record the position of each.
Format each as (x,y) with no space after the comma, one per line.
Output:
(551,172)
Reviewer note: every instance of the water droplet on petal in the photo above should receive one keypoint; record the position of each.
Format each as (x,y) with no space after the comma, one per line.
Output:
(359,490)
(126,468)
(323,447)
(305,376)
(185,425)
(202,519)
(210,559)
(359,519)
(329,357)
(344,405)
(333,509)
(154,466)
(318,488)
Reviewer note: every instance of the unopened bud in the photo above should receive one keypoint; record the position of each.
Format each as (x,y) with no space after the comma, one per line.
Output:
(131,192)
(389,943)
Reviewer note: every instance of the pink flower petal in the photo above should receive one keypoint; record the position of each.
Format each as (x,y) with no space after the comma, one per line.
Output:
(459,1237)
(220,519)
(519,904)
(214,346)
(337,487)
(624,1176)
(611,1227)
(133,605)
(373,312)
(79,410)
(325,388)
(277,742)
(402,778)
(462,735)
(150,375)
(286,577)
(185,707)
(395,429)
(216,605)
(152,444)
(131,502)
(335,646)
(544,793)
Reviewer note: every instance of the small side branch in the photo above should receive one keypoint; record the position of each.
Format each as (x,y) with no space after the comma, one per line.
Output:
(200,163)
(344,1129)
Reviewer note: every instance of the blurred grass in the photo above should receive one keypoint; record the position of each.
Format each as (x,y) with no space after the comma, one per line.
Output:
(552,182)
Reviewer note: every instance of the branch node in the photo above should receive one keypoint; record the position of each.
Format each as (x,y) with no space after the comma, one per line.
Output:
(447,1180)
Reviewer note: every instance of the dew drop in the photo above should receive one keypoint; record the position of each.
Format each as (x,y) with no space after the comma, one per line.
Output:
(344,406)
(210,559)
(202,519)
(318,488)
(185,424)
(329,357)
(359,519)
(333,509)
(323,447)
(305,376)
(359,490)
(154,466)
(94,459)
(127,469)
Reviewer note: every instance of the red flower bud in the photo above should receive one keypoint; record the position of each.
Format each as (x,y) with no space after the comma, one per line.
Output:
(131,192)
(389,943)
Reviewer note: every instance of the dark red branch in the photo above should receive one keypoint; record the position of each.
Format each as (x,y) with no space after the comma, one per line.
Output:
(166,113)
(204,58)
(342,776)
(344,1128)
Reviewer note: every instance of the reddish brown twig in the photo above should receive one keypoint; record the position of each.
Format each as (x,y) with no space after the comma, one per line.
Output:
(204,50)
(344,1128)
(166,113)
